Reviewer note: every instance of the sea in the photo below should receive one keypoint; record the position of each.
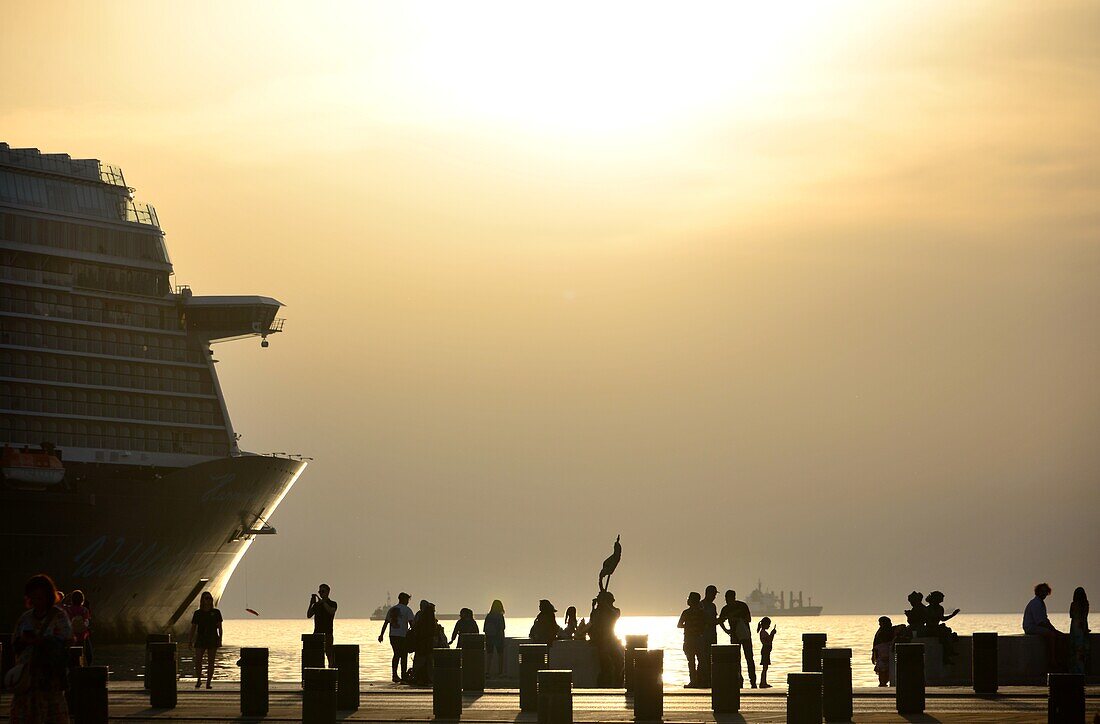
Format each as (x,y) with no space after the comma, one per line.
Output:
(283,638)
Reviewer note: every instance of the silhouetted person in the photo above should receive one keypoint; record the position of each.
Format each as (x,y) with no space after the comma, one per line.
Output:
(710,633)
(545,629)
(882,649)
(916,616)
(322,610)
(206,637)
(398,619)
(40,642)
(934,623)
(494,636)
(464,625)
(767,638)
(425,634)
(693,621)
(1037,623)
(601,631)
(570,629)
(80,616)
(736,614)
(1079,632)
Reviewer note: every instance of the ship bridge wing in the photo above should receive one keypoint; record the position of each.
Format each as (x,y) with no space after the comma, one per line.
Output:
(224,318)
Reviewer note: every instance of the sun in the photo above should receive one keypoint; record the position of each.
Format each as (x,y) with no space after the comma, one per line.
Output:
(608,67)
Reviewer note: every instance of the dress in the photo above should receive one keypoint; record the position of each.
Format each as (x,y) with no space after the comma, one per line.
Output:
(208,623)
(766,639)
(494,632)
(45,662)
(1079,637)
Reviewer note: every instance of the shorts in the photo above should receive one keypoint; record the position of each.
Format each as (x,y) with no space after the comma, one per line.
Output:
(494,642)
(397,643)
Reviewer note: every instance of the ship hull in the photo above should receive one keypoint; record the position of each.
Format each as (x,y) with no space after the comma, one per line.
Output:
(141,542)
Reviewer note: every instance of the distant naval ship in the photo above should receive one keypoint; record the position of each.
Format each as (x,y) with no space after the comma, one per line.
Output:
(769,604)
(121,473)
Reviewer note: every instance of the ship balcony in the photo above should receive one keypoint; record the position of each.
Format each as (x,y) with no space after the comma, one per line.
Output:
(224,318)
(137,212)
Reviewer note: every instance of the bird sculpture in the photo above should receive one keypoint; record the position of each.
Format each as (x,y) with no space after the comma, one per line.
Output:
(609,565)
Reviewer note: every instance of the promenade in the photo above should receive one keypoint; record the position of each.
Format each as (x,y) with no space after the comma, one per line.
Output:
(387,703)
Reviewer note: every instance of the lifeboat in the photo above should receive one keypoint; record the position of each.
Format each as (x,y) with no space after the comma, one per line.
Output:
(36,467)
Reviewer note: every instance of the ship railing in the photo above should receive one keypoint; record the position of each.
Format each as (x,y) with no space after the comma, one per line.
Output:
(276,325)
(130,210)
(109,174)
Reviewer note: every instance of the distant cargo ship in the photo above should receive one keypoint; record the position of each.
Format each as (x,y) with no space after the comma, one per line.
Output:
(380,612)
(120,472)
(769,604)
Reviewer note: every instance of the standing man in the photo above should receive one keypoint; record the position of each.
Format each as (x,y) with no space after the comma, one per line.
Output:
(322,610)
(398,619)
(736,613)
(1037,623)
(692,621)
(710,634)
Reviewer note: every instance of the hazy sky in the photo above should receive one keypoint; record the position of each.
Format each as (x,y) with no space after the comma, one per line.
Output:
(792,291)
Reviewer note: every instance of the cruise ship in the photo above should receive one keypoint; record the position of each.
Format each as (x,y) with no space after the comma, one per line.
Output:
(121,471)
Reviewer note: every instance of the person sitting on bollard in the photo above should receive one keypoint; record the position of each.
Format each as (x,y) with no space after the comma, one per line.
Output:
(570,629)
(206,636)
(80,616)
(398,620)
(493,626)
(40,642)
(766,640)
(322,610)
(693,621)
(1079,632)
(737,614)
(882,649)
(545,629)
(464,625)
(935,618)
(1037,623)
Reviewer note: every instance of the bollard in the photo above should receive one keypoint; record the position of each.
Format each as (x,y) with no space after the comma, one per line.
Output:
(473,661)
(76,660)
(447,683)
(984,663)
(162,675)
(836,684)
(1065,698)
(89,685)
(725,678)
(909,692)
(533,658)
(254,686)
(804,698)
(347,677)
(313,652)
(649,692)
(254,683)
(555,696)
(633,642)
(153,638)
(812,643)
(319,695)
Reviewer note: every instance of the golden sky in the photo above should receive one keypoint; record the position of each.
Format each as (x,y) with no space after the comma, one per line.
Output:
(748,280)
